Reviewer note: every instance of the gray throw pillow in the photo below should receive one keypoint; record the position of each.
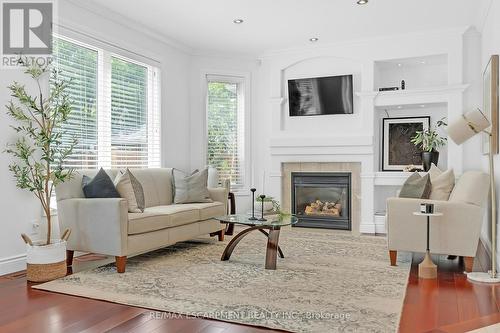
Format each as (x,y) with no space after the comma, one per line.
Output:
(101,186)
(416,186)
(190,188)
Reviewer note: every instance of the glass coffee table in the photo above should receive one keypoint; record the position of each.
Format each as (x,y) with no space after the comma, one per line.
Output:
(270,228)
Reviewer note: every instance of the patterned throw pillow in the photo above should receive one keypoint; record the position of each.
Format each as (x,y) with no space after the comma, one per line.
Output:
(416,186)
(101,186)
(190,188)
(131,189)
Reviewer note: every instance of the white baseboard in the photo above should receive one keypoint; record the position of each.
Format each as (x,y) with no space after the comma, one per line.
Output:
(367,228)
(12,264)
(18,263)
(380,228)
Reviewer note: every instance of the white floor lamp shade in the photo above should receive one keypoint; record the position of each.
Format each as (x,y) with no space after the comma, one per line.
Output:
(461,130)
(467,126)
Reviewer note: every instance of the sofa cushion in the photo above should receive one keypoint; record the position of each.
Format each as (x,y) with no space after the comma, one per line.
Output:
(209,210)
(157,185)
(131,190)
(416,186)
(101,186)
(191,188)
(471,188)
(161,217)
(442,183)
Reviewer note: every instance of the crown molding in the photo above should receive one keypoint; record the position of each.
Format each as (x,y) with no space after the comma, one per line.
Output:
(484,12)
(454,31)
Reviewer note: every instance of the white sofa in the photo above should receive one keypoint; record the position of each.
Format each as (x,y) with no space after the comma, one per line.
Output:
(105,226)
(455,233)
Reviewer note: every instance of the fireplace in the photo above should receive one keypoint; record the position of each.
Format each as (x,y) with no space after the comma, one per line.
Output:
(322,199)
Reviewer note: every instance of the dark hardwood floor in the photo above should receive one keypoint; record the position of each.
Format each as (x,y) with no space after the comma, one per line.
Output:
(448,304)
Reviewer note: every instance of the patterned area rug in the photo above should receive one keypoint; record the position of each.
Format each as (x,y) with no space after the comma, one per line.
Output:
(327,282)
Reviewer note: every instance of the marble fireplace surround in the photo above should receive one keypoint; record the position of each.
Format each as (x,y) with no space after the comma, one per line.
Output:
(354,168)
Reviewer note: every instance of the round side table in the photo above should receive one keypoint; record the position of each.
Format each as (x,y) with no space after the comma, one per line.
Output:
(427,269)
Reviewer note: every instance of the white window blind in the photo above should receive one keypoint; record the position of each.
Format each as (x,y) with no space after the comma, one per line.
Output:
(79,64)
(117,122)
(225,128)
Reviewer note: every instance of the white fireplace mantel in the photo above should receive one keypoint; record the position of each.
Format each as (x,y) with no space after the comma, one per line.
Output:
(327,149)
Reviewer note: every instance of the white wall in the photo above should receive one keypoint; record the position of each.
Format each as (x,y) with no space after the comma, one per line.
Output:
(490,45)
(19,209)
(269,114)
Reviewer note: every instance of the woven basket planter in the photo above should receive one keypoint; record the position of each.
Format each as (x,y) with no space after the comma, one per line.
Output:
(46,262)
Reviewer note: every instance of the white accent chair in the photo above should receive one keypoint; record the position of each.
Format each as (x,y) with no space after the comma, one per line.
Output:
(105,226)
(455,233)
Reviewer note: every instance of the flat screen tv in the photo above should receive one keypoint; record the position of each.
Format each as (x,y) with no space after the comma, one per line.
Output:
(320,96)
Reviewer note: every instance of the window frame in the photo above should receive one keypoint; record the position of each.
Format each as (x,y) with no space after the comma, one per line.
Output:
(104,54)
(243,80)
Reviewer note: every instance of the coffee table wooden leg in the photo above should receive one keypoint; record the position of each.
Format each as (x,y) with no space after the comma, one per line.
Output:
(279,248)
(272,247)
(236,239)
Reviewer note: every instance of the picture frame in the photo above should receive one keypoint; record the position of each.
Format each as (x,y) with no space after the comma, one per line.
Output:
(490,103)
(397,149)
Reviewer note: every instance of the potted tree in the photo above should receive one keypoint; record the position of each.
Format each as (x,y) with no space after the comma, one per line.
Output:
(429,141)
(38,156)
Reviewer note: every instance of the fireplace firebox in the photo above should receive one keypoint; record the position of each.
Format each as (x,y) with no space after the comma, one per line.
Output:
(322,199)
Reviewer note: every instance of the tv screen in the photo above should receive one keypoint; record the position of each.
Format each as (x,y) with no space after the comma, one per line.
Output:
(320,96)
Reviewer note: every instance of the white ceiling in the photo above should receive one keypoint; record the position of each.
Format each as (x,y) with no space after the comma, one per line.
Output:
(207,26)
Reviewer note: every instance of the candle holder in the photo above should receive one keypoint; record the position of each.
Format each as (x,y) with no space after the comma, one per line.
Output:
(262,197)
(253,218)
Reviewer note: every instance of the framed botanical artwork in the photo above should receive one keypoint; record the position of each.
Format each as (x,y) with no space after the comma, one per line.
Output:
(490,103)
(397,149)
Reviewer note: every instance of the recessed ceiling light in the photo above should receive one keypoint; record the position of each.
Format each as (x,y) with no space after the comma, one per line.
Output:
(422,62)
(399,65)
(362,2)
(313,39)
(422,105)
(400,107)
(238,21)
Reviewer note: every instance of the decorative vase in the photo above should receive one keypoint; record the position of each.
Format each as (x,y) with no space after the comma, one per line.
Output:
(429,157)
(46,262)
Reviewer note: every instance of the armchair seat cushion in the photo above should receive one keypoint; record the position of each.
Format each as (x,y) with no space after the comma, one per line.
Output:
(168,216)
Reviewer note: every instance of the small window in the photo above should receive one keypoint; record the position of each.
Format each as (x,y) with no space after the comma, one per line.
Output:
(225,128)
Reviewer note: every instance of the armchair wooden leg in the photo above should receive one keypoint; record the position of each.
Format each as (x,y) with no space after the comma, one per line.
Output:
(121,262)
(393,256)
(69,257)
(468,263)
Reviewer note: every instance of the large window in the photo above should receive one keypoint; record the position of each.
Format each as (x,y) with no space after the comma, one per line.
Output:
(225,128)
(79,64)
(115,108)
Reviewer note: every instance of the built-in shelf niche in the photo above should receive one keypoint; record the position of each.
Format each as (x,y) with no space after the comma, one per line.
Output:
(417,72)
(436,111)
(427,93)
